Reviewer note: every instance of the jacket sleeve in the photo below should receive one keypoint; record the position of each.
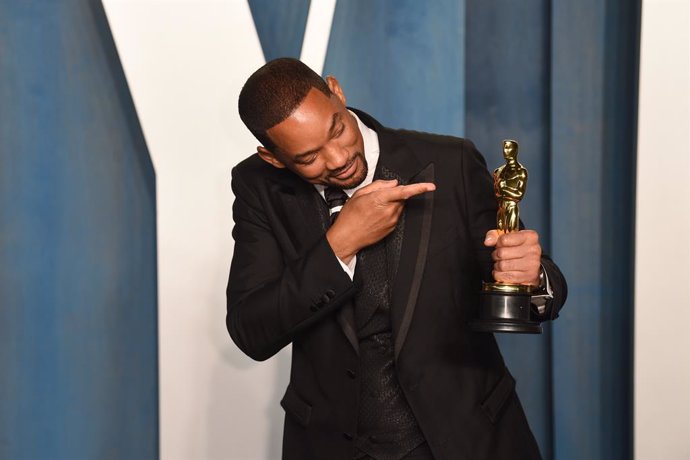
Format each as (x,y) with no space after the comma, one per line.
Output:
(559,287)
(272,299)
(481,207)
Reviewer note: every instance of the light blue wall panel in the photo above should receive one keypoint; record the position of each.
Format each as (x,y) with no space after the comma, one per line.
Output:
(402,61)
(78,326)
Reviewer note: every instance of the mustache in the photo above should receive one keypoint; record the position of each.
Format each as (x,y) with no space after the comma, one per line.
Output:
(349,163)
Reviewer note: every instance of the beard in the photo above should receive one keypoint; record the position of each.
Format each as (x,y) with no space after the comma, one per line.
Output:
(357,178)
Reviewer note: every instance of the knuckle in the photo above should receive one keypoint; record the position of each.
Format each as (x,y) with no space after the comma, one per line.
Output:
(531,234)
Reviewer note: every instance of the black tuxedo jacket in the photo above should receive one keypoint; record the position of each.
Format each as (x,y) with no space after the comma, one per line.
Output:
(287,286)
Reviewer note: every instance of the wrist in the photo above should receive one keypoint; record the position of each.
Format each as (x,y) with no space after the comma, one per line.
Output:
(537,283)
(540,283)
(341,247)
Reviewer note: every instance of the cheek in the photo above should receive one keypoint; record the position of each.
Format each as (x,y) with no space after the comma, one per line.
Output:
(310,172)
(351,138)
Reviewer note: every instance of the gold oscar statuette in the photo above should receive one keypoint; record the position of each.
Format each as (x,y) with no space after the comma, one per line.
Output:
(506,307)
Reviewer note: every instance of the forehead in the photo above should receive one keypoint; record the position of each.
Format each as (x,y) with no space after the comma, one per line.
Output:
(308,126)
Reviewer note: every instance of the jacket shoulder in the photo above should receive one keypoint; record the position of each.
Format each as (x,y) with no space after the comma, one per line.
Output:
(439,147)
(252,166)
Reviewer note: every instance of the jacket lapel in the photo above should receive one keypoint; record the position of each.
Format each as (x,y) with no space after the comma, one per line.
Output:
(305,215)
(418,214)
(397,157)
(346,319)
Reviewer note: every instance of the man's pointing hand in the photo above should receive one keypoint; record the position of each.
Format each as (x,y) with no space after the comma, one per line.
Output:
(370,214)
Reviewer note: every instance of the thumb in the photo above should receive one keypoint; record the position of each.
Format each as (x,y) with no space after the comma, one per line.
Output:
(491,238)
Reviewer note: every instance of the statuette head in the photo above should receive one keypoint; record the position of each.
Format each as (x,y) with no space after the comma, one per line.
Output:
(510,149)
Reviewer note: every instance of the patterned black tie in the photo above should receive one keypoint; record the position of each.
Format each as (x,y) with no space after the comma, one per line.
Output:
(335,199)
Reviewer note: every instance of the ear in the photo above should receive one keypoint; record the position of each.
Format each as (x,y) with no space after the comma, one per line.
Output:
(335,88)
(269,157)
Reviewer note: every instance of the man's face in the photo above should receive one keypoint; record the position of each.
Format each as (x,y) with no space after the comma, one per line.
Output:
(320,141)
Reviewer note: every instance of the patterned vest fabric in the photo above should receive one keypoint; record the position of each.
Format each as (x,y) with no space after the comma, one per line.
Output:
(387,428)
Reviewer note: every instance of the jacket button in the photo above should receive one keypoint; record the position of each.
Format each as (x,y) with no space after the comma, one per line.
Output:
(330,293)
(351,373)
(347,436)
(325,298)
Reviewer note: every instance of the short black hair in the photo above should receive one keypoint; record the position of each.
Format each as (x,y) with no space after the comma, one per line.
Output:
(273,92)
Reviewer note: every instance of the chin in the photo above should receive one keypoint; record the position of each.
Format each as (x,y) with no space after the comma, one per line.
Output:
(355,180)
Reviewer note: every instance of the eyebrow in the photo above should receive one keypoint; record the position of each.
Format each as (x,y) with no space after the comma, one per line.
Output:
(331,131)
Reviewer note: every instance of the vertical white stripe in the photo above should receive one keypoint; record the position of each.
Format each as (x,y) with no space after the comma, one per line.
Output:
(185,62)
(318,30)
(662,247)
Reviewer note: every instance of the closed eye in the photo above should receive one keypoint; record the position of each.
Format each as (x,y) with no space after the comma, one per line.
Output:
(307,160)
(341,130)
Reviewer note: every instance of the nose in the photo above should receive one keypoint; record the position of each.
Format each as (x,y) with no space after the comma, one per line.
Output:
(336,157)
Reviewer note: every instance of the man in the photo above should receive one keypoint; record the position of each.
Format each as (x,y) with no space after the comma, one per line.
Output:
(375,287)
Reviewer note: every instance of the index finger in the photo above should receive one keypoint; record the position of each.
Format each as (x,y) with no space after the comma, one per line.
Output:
(404,192)
(517,238)
(376,185)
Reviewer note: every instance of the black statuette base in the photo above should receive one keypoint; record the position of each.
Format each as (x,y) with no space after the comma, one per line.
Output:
(505,312)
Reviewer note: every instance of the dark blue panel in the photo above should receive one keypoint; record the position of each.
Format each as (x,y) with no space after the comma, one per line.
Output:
(507,80)
(402,61)
(78,325)
(280,26)
(595,49)
(560,78)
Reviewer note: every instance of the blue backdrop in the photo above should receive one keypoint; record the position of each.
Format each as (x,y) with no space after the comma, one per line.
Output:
(560,77)
(78,338)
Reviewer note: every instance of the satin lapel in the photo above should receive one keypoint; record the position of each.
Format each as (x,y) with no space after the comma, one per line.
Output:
(418,214)
(397,155)
(305,215)
(346,319)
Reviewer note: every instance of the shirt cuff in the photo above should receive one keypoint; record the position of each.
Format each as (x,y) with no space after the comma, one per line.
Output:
(545,292)
(349,268)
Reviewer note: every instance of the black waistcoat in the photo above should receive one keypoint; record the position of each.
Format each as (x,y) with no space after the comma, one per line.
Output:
(387,428)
